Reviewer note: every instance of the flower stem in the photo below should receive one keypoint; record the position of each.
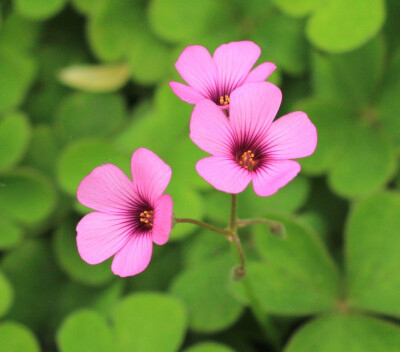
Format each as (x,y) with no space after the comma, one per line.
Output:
(276,228)
(240,274)
(226,233)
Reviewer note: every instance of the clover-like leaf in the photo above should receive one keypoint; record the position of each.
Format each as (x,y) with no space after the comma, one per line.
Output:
(372,247)
(15,337)
(85,331)
(149,322)
(355,333)
(340,26)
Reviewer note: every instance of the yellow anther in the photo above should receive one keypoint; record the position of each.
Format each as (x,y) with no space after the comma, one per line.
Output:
(147,217)
(247,160)
(224,99)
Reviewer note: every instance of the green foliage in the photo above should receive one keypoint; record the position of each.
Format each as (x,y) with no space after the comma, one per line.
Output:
(208,347)
(353,333)
(14,135)
(31,186)
(204,290)
(84,330)
(148,322)
(85,82)
(39,9)
(337,27)
(16,75)
(372,228)
(86,115)
(15,337)
(296,275)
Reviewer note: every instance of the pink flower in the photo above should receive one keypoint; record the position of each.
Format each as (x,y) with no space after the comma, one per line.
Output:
(249,146)
(215,78)
(129,216)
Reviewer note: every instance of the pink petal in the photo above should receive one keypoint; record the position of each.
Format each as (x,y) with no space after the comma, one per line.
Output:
(101,235)
(253,108)
(162,219)
(234,62)
(268,180)
(198,69)
(186,93)
(150,174)
(223,173)
(261,72)
(292,136)
(134,257)
(210,129)
(106,189)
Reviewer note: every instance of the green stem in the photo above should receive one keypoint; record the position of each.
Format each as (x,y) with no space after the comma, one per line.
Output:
(212,228)
(275,227)
(265,321)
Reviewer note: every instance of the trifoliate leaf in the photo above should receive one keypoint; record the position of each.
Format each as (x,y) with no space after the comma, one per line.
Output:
(15,337)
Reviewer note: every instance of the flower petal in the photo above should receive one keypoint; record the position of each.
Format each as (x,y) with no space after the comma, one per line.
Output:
(162,219)
(268,180)
(101,235)
(253,108)
(198,69)
(150,174)
(210,129)
(292,136)
(224,174)
(234,62)
(261,72)
(186,93)
(134,257)
(107,189)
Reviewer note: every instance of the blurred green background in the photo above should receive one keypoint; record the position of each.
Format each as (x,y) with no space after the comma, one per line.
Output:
(84,82)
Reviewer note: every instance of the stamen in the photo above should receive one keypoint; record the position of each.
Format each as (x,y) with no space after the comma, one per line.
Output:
(224,100)
(147,217)
(247,160)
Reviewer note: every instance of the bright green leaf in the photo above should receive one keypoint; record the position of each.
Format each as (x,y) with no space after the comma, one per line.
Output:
(10,234)
(373,245)
(26,196)
(297,8)
(297,276)
(16,75)
(149,322)
(14,137)
(85,331)
(6,295)
(39,9)
(340,25)
(15,337)
(350,333)
(180,20)
(209,347)
(365,162)
(204,290)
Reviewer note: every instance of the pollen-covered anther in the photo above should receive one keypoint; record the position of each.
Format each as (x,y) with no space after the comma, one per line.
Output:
(247,160)
(147,217)
(224,99)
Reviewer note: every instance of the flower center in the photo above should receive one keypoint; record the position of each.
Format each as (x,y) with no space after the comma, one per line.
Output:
(147,218)
(247,160)
(224,100)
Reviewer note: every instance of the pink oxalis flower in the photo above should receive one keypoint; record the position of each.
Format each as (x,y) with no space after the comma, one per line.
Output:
(215,78)
(249,146)
(129,216)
